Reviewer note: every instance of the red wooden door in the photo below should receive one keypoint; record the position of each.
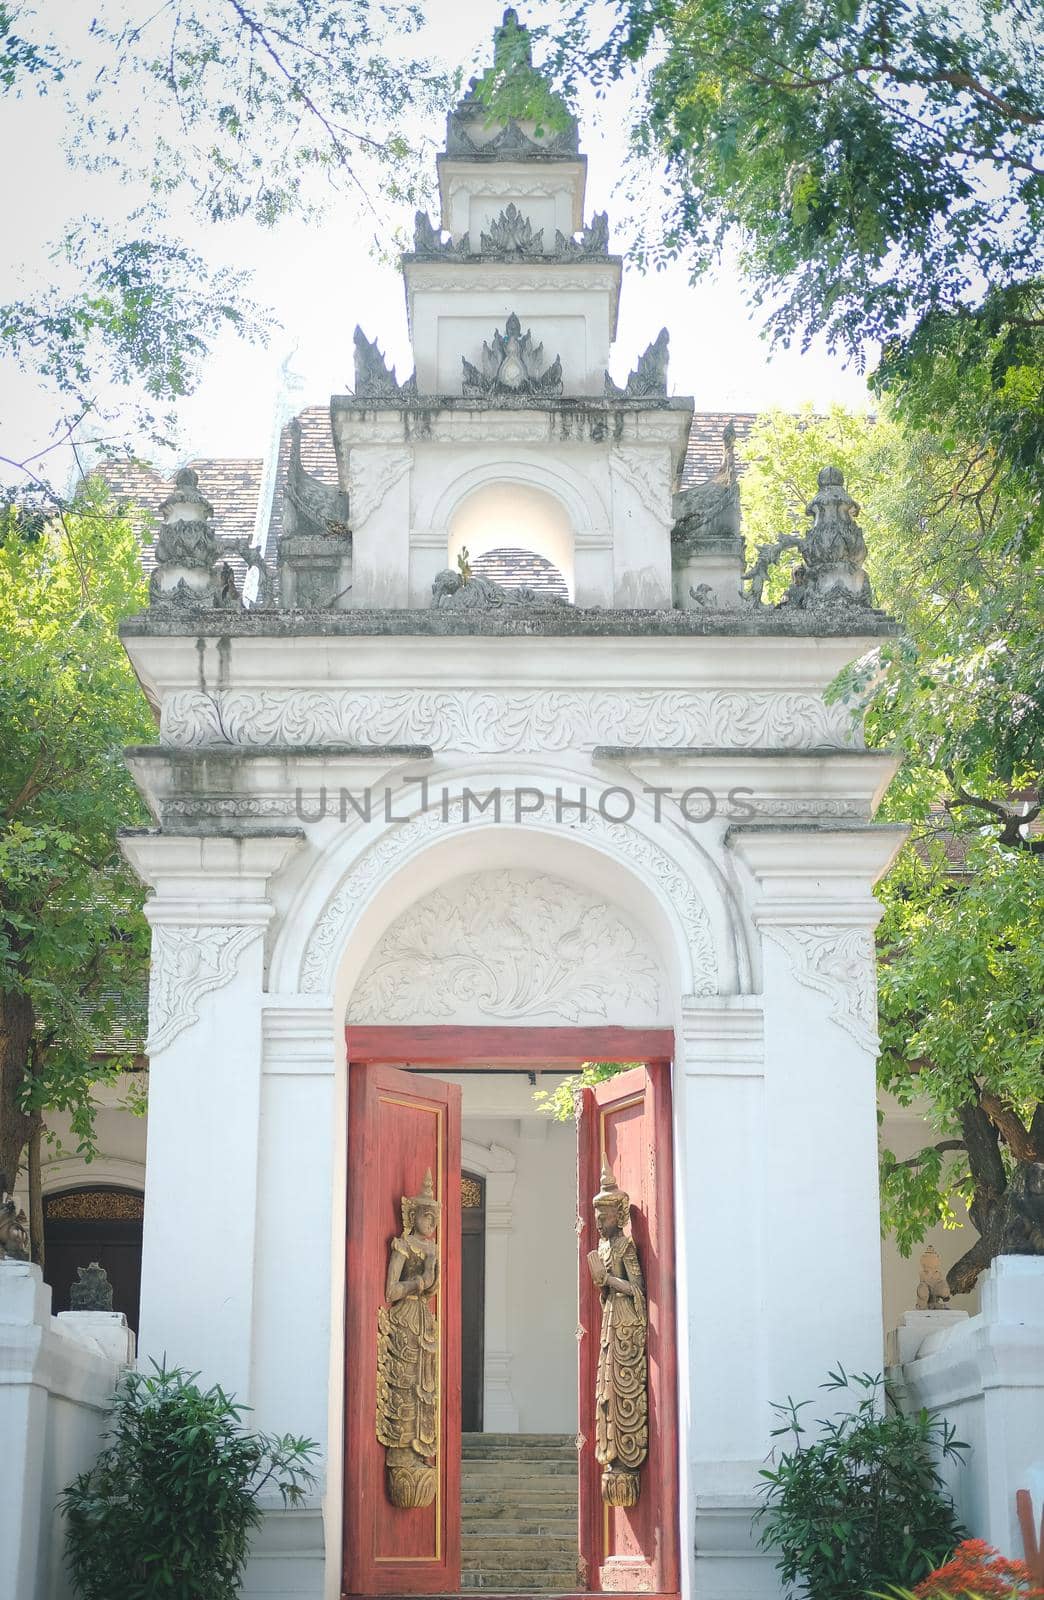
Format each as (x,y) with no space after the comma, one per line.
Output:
(627,1120)
(400,1127)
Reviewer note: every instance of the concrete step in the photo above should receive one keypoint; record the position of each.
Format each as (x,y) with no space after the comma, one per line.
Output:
(482,1448)
(513,1471)
(483,1553)
(530,1557)
(494,1529)
(522,1582)
(529,1508)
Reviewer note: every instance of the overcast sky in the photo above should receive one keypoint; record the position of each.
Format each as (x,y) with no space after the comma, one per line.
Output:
(320,280)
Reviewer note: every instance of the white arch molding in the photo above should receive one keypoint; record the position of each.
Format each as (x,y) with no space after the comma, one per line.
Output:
(500,514)
(700,953)
(587,512)
(104,1172)
(497,1166)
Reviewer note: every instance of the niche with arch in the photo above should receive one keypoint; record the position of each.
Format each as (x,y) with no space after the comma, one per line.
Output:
(516,533)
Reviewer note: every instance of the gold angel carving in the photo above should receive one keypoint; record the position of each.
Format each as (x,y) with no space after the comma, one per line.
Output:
(408,1356)
(621,1386)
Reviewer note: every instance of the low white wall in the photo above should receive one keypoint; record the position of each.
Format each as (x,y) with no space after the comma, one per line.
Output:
(57,1376)
(986,1374)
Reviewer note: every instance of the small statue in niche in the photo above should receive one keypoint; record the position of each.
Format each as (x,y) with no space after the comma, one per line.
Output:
(408,1355)
(933,1291)
(92,1291)
(621,1385)
(14,1229)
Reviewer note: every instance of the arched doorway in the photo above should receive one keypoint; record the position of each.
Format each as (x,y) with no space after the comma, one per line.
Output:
(94,1224)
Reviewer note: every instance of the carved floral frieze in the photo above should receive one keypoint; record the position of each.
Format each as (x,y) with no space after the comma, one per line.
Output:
(840,963)
(510,945)
(475,720)
(187,963)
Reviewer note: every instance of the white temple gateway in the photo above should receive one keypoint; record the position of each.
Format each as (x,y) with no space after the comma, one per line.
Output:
(423,840)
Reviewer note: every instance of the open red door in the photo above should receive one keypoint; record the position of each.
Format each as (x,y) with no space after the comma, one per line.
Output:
(627,1121)
(401,1127)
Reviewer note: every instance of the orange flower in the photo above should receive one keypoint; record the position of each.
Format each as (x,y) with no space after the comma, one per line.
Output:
(975,1568)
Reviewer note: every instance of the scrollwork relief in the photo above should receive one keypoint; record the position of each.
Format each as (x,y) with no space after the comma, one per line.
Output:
(387,854)
(840,963)
(509,944)
(373,474)
(648,476)
(477,721)
(187,963)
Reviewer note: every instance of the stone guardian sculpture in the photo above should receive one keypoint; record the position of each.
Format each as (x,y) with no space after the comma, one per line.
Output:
(621,1385)
(408,1356)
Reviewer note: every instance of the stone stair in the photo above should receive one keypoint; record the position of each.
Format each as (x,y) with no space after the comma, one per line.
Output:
(518,1513)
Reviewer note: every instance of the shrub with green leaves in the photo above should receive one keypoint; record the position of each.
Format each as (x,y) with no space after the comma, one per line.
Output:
(859,1506)
(168,1508)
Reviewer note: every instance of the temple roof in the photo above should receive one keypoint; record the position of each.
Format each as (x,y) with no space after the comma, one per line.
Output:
(233,485)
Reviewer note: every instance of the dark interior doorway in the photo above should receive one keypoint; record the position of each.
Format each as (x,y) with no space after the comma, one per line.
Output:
(473,1298)
(94,1224)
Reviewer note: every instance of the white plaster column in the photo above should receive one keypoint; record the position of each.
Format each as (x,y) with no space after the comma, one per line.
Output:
(497,1166)
(720,1160)
(810,894)
(208,912)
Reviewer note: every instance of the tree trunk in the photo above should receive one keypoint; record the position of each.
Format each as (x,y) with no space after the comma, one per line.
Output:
(16,1035)
(36,1216)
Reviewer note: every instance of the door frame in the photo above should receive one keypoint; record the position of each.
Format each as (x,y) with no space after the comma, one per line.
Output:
(477,1049)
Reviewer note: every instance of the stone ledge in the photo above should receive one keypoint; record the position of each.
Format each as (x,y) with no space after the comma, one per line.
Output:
(191,754)
(816,752)
(513,622)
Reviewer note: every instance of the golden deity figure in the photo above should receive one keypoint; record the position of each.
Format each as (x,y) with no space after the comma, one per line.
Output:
(621,1388)
(408,1355)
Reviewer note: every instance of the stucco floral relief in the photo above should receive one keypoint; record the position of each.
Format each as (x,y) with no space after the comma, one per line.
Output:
(476,720)
(509,944)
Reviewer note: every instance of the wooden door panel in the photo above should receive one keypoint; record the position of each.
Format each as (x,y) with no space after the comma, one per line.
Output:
(628,1120)
(400,1126)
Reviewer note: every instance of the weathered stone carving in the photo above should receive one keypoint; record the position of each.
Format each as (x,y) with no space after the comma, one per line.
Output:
(831,570)
(251,556)
(374,379)
(933,1292)
(467,124)
(707,516)
(428,241)
(511,234)
(311,506)
(458,953)
(456,592)
(649,378)
(592,241)
(408,1356)
(621,1385)
(512,367)
(14,1229)
(187,574)
(92,1290)
(485,719)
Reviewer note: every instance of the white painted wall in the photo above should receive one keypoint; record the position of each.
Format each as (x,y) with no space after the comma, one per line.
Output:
(57,1376)
(542,1278)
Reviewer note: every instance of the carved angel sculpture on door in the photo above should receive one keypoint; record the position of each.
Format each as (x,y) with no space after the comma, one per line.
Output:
(622,1406)
(408,1355)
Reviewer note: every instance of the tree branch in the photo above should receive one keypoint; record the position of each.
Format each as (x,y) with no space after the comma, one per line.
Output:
(1009,1125)
(944,1144)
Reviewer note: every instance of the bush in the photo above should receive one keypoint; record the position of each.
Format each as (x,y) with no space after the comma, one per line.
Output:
(168,1507)
(977,1569)
(861,1508)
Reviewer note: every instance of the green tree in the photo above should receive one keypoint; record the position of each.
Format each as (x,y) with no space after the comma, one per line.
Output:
(73,941)
(210,111)
(959,696)
(878,168)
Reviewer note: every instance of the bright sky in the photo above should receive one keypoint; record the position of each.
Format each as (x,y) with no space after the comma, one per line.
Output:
(320,279)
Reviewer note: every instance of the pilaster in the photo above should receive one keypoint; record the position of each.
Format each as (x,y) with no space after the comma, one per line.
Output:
(209,911)
(809,891)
